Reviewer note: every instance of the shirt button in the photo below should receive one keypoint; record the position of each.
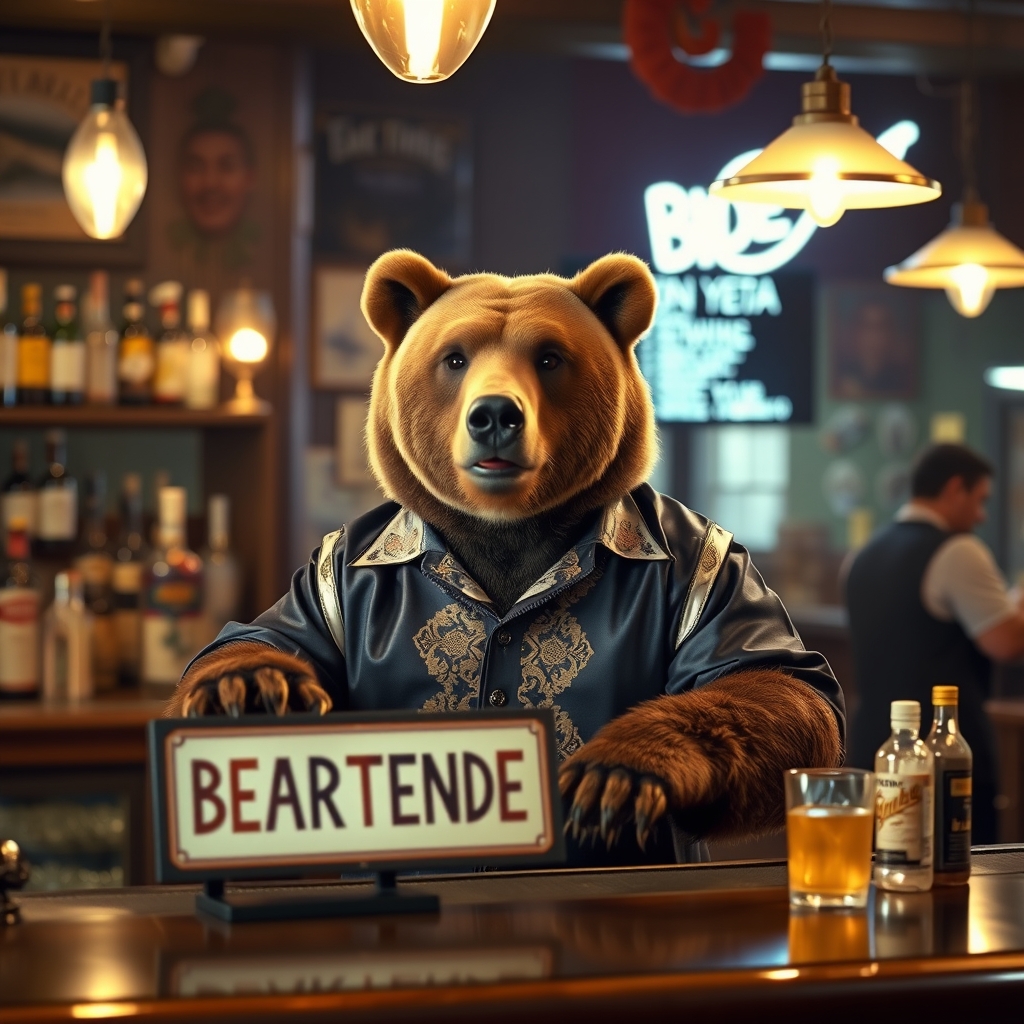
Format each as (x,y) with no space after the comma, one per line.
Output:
(504,638)
(497,698)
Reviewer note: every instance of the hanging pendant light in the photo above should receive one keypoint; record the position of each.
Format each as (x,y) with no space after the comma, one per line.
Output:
(826,163)
(970,259)
(423,40)
(104,170)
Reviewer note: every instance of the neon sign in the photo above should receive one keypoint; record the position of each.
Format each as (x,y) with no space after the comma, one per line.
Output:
(690,229)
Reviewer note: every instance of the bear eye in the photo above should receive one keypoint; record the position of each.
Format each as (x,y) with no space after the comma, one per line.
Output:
(455,361)
(549,361)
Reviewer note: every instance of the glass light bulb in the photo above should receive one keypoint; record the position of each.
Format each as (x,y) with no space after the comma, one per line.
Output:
(423,40)
(248,346)
(104,172)
(970,292)
(825,193)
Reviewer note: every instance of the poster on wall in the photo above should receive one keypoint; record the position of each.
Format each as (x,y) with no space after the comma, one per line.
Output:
(345,349)
(873,342)
(385,181)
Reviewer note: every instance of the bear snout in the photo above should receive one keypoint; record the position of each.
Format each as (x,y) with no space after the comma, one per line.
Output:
(493,421)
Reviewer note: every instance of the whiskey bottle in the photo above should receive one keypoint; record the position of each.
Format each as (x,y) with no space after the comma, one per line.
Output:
(101,342)
(136,357)
(67,634)
(19,617)
(202,390)
(33,349)
(220,568)
(8,347)
(172,597)
(126,581)
(904,817)
(18,499)
(57,525)
(172,346)
(954,764)
(67,350)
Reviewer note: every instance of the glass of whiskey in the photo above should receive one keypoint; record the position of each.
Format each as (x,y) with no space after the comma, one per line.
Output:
(830,820)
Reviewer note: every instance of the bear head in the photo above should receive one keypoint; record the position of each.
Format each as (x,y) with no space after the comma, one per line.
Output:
(506,398)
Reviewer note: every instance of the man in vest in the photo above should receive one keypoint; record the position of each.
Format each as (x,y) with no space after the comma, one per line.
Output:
(928,606)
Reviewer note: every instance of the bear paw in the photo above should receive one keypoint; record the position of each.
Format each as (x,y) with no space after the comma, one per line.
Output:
(247,678)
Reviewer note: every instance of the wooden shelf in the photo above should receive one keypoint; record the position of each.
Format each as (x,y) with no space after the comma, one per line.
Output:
(127,416)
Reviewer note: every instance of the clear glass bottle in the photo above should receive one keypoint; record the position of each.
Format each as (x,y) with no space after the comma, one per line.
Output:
(67,349)
(220,568)
(136,357)
(101,342)
(67,634)
(904,802)
(33,349)
(18,497)
(172,597)
(203,387)
(19,617)
(57,526)
(129,564)
(95,563)
(172,346)
(954,765)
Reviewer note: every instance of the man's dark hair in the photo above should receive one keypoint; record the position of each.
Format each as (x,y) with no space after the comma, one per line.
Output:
(941,463)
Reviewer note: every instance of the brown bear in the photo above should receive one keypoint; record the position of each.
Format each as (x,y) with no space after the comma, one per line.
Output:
(523,561)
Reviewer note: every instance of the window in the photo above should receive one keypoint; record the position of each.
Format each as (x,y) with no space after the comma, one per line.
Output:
(740,480)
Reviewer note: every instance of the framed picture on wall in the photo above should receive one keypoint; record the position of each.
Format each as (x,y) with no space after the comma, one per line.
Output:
(345,349)
(874,342)
(350,463)
(43,98)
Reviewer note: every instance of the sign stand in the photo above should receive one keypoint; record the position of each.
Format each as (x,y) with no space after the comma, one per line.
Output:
(240,907)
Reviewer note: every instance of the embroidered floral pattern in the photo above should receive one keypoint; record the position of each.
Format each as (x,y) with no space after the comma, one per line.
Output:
(556,651)
(565,569)
(451,572)
(624,531)
(400,541)
(452,646)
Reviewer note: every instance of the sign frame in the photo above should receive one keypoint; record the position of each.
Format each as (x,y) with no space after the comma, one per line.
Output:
(159,732)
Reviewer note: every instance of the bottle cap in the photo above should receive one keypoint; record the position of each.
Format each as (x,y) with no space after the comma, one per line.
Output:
(905,714)
(172,502)
(166,293)
(65,293)
(68,587)
(199,310)
(945,696)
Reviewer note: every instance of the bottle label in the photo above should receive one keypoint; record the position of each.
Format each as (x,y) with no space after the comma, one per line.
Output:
(136,363)
(171,371)
(20,505)
(903,820)
(67,366)
(19,640)
(127,583)
(956,820)
(33,362)
(58,513)
(169,643)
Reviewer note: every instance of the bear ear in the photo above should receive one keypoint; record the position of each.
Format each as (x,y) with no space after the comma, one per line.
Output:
(621,293)
(399,286)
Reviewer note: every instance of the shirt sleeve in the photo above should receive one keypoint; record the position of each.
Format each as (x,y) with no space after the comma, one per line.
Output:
(743,626)
(963,582)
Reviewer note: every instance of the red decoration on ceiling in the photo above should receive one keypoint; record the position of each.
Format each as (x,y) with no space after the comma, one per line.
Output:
(652,28)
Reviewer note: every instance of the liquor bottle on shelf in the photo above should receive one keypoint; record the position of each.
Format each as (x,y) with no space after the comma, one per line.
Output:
(101,341)
(67,632)
(33,349)
(129,563)
(95,563)
(172,347)
(8,347)
(67,349)
(203,383)
(172,598)
(220,568)
(19,499)
(57,523)
(954,765)
(19,617)
(161,479)
(136,358)
(904,816)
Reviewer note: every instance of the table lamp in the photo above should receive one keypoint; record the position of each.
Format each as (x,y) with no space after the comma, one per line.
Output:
(246,325)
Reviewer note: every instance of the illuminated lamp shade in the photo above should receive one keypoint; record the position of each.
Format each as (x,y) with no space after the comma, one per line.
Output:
(1007,378)
(423,40)
(104,170)
(826,163)
(970,260)
(246,325)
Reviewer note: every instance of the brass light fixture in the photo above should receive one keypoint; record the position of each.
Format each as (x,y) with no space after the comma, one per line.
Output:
(423,40)
(826,163)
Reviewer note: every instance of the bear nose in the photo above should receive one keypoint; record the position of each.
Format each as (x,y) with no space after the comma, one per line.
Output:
(494,420)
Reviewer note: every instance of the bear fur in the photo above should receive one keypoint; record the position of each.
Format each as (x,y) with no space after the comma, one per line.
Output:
(507,413)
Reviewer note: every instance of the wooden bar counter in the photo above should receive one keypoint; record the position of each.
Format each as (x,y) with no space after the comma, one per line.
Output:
(639,945)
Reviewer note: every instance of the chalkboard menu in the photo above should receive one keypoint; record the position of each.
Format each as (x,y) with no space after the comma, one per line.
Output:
(732,348)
